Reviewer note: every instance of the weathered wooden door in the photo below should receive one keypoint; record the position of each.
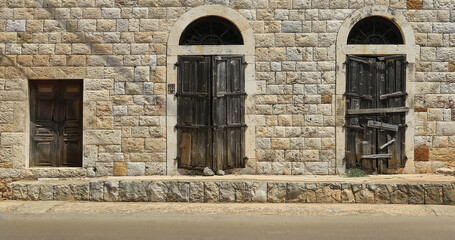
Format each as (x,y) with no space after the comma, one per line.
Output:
(210,106)
(56,123)
(375,112)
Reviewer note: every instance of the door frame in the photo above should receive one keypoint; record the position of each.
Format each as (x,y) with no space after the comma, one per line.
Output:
(212,162)
(58,82)
(343,49)
(174,50)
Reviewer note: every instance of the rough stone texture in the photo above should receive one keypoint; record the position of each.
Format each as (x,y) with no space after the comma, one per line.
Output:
(236,191)
(96,191)
(111,191)
(212,192)
(119,50)
(132,191)
(414,4)
(276,192)
(196,192)
(178,191)
(296,192)
(422,154)
(208,172)
(156,191)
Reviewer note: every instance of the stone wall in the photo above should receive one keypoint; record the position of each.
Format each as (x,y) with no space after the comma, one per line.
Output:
(246,191)
(118,47)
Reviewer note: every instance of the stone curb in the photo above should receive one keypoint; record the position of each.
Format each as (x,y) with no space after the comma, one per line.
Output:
(236,191)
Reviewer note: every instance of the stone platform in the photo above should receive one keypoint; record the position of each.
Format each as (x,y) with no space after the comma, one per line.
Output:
(379,189)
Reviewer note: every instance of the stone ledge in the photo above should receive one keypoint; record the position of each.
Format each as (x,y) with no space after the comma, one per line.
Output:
(186,189)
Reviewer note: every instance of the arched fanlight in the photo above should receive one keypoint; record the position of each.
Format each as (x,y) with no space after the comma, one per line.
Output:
(211,30)
(375,30)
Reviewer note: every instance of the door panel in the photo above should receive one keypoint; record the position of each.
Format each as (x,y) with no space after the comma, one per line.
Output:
(375,140)
(229,118)
(210,98)
(193,109)
(56,123)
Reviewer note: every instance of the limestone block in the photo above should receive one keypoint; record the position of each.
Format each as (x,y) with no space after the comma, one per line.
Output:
(328,193)
(33,192)
(448,194)
(19,191)
(135,168)
(441,154)
(298,4)
(398,193)
(178,191)
(212,192)
(362,193)
(416,194)
(96,190)
(132,191)
(104,168)
(102,137)
(156,191)
(276,192)
(112,13)
(8,138)
(291,26)
(62,192)
(227,192)
(120,169)
(382,194)
(111,191)
(296,192)
(15,25)
(347,196)
(46,192)
(196,193)
(433,194)
(293,54)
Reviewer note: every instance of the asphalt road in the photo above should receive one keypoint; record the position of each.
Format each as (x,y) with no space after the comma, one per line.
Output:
(115,226)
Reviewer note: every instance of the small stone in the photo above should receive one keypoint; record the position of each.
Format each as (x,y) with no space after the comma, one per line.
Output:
(220,173)
(207,172)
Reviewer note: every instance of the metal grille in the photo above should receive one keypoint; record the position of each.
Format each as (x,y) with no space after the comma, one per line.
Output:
(211,31)
(375,30)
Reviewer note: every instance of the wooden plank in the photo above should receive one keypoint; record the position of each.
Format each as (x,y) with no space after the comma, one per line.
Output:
(185,147)
(387,144)
(378,110)
(381,125)
(376,156)
(392,95)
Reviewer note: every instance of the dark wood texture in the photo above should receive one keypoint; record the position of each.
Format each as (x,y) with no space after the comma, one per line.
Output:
(210,115)
(56,123)
(374,122)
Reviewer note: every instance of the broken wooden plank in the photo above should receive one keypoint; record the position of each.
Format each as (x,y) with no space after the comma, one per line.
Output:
(392,95)
(364,97)
(355,127)
(378,110)
(376,156)
(387,144)
(381,125)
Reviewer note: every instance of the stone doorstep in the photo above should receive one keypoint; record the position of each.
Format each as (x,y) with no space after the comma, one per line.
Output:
(381,189)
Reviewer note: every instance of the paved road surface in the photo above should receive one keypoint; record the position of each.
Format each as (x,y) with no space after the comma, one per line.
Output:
(85,220)
(52,226)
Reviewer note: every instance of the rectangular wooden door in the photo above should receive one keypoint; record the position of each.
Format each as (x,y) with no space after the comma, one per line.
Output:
(56,123)
(210,112)
(375,112)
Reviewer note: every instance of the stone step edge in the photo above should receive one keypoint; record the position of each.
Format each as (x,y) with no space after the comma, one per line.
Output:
(236,191)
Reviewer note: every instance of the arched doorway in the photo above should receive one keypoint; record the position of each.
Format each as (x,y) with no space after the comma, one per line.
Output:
(211,66)
(375,67)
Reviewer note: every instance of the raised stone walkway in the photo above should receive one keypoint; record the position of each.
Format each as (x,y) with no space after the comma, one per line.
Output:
(380,189)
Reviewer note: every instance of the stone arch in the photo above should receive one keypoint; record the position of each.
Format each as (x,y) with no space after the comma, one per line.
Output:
(174,50)
(343,49)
